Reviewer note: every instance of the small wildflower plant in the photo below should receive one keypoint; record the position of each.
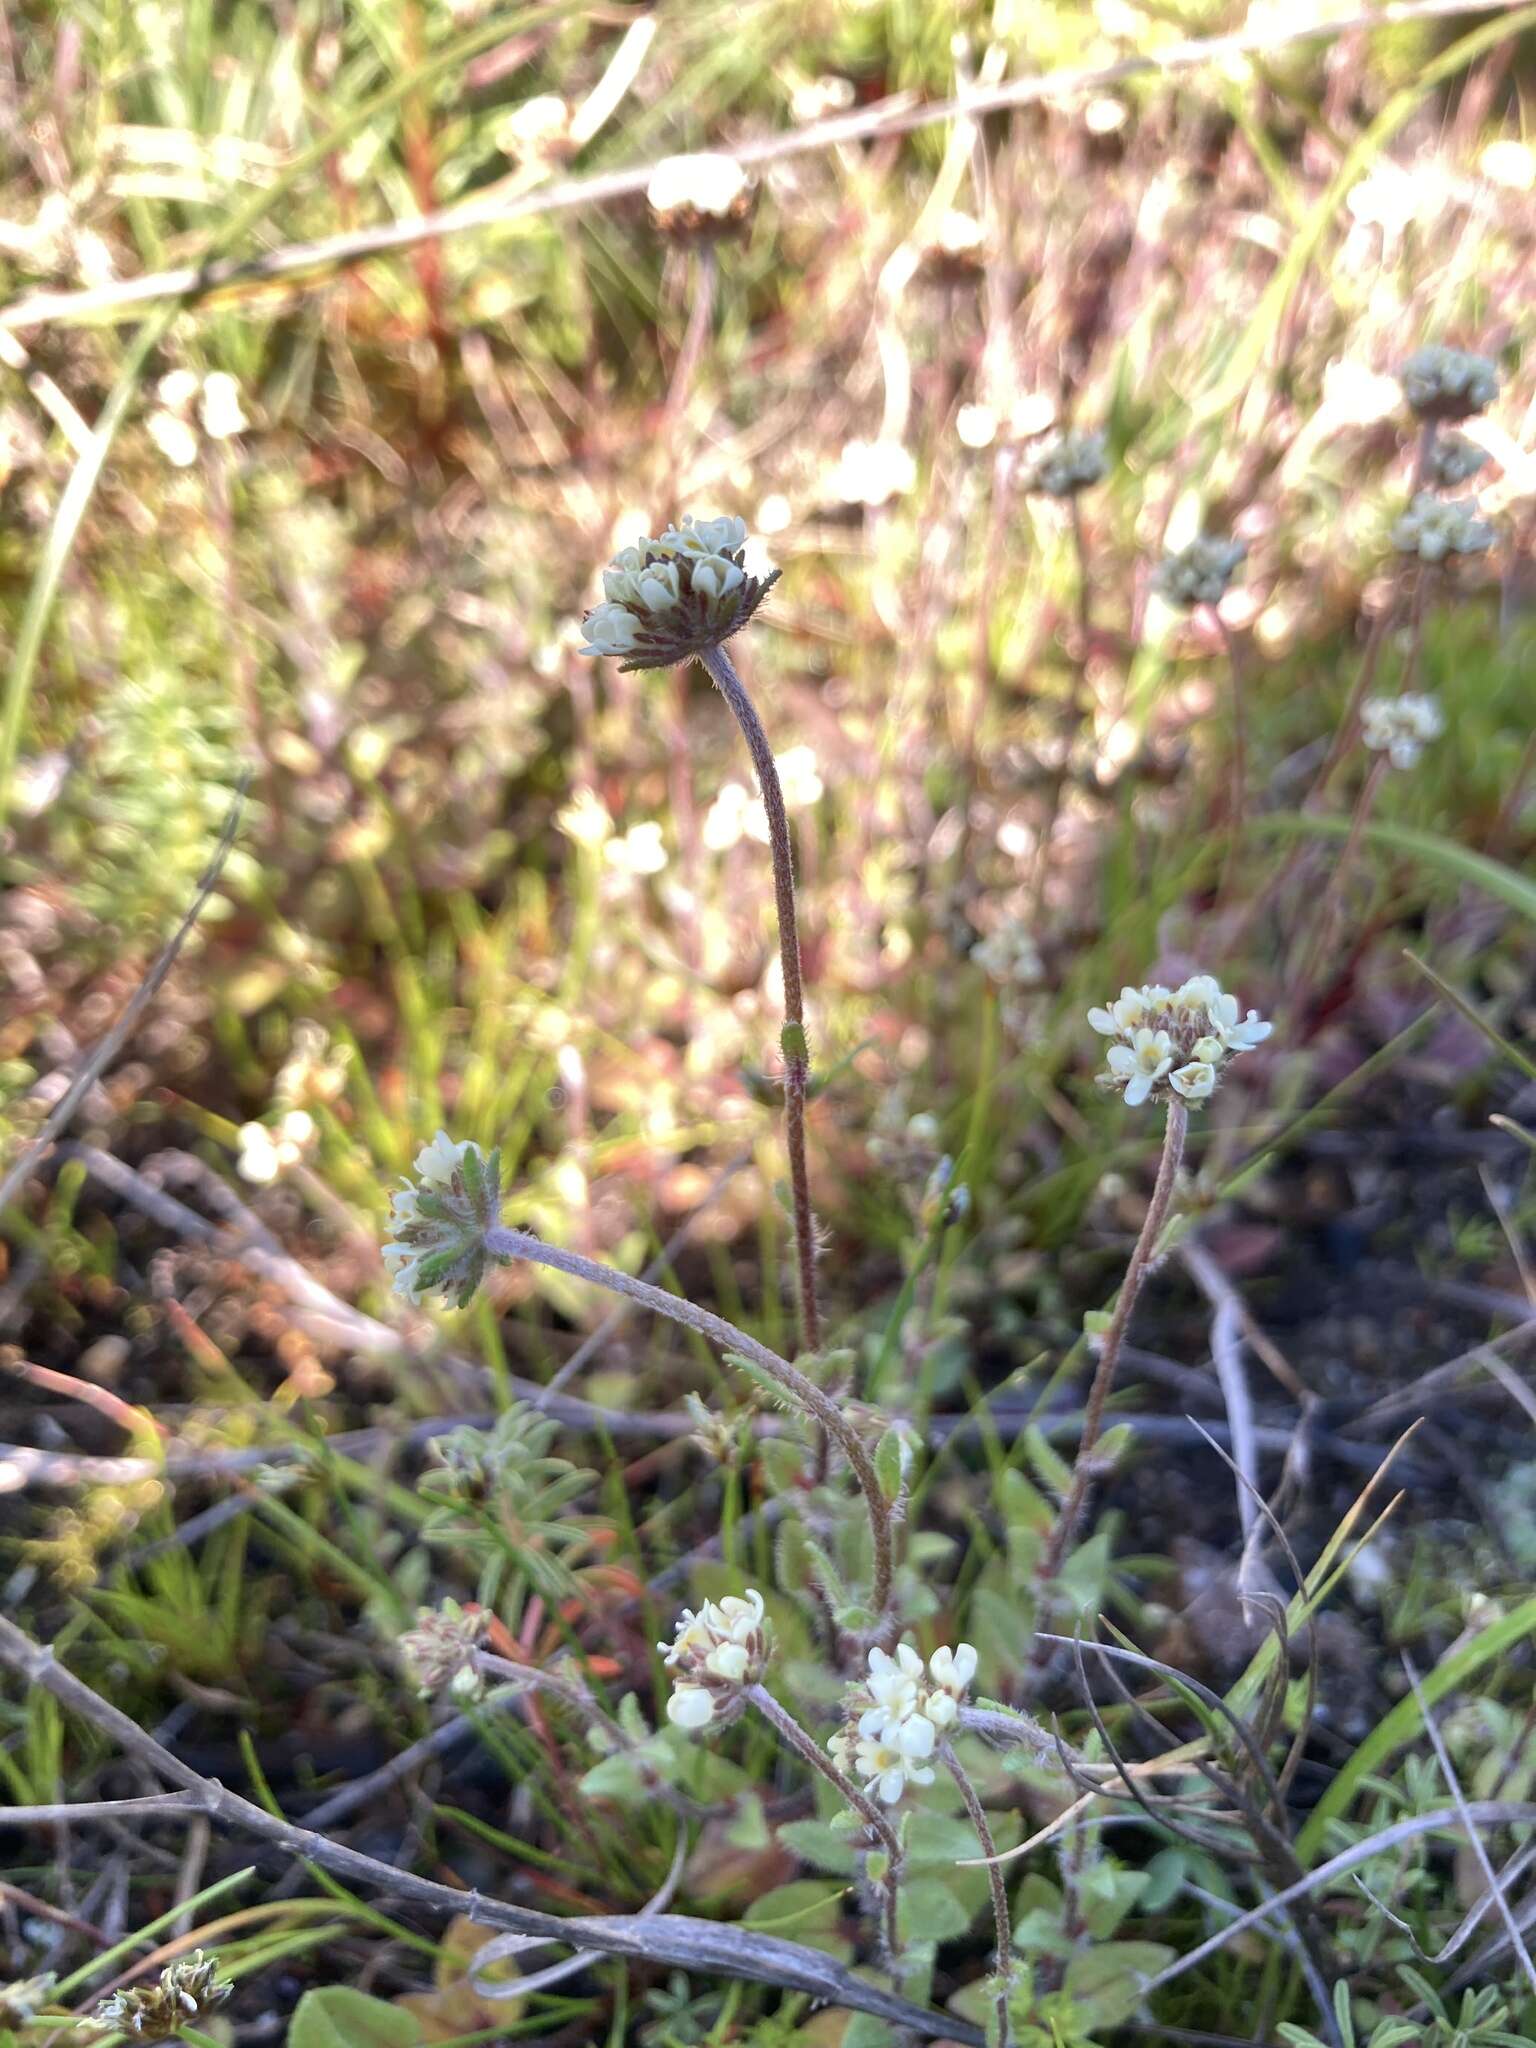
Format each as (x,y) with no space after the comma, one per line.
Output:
(715,1655)
(1173,1041)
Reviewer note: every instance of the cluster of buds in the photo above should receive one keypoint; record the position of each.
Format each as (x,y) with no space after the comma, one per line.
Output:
(1067,464)
(439,1652)
(437,1229)
(1199,573)
(1448,383)
(187,1992)
(1433,528)
(670,599)
(1401,727)
(897,1717)
(716,1654)
(1174,1041)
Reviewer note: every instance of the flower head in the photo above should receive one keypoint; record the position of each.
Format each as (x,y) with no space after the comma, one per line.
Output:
(1067,464)
(1008,954)
(440,1650)
(699,196)
(669,599)
(437,1241)
(1448,383)
(1433,528)
(266,1152)
(23,2000)
(1199,573)
(894,1720)
(1401,727)
(716,1653)
(1173,1041)
(1453,460)
(187,1991)
(896,1757)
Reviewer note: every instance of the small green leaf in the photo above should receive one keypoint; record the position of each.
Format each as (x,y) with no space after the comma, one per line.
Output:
(338,2017)
(890,1464)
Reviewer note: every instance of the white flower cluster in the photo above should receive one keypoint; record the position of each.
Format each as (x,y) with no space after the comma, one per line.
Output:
(1068,464)
(1401,727)
(674,597)
(1174,1039)
(871,473)
(437,1241)
(1008,955)
(1448,383)
(1454,460)
(898,1716)
(1199,573)
(266,1152)
(699,194)
(715,1653)
(1433,528)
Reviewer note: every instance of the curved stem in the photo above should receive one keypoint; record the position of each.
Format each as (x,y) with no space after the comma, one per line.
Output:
(789,1730)
(797,1056)
(504,1244)
(1174,1134)
(1001,1923)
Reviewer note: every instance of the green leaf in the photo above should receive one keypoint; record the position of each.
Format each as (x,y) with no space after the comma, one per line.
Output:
(338,2017)
(1474,1016)
(932,1909)
(889,1464)
(1105,1983)
(1457,863)
(819,1844)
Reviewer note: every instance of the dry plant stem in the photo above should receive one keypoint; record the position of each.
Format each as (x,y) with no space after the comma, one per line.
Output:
(1002,1925)
(789,1731)
(1344,737)
(502,1243)
(1174,1134)
(797,1061)
(703,1945)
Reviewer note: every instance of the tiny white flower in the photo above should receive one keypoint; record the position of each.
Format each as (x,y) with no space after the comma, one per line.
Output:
(873,472)
(690,1707)
(707,183)
(222,414)
(438,1231)
(1141,1064)
(174,438)
(1195,1081)
(896,1758)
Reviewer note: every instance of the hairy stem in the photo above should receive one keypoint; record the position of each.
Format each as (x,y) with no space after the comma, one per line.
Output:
(1239,796)
(1174,1134)
(797,1057)
(1002,1925)
(1327,915)
(791,1733)
(508,1245)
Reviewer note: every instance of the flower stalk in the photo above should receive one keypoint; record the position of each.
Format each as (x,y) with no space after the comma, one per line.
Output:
(1175,1132)
(506,1245)
(789,1731)
(796,1046)
(1002,1924)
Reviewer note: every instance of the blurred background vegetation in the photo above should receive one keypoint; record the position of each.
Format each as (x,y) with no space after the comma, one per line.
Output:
(332,530)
